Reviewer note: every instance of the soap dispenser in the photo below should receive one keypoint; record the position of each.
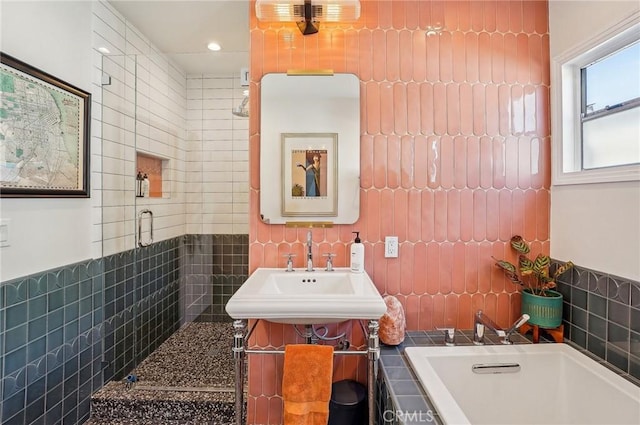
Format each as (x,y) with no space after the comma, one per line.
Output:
(357,255)
(145,185)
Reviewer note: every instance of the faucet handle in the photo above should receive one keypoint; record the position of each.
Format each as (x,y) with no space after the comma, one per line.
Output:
(449,336)
(329,261)
(521,321)
(289,261)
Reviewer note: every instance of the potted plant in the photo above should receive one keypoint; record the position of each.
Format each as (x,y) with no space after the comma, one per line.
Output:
(539,300)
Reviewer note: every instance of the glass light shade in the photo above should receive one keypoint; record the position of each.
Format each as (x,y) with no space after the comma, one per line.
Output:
(293,10)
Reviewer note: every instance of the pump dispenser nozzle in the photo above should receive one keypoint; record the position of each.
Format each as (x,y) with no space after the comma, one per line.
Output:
(357,255)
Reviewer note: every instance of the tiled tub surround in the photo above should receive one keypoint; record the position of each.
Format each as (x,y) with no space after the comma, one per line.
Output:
(400,397)
(602,315)
(57,327)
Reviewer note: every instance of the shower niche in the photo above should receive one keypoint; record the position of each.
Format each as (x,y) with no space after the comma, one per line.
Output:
(150,176)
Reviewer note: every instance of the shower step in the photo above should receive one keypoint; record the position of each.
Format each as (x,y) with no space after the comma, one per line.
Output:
(115,404)
(149,422)
(187,380)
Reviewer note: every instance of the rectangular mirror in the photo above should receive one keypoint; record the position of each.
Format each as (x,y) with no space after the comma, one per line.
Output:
(310,148)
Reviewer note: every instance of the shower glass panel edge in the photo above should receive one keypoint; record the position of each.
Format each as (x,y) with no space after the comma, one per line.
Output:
(120,293)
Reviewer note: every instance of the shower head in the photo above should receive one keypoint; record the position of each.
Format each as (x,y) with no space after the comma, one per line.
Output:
(242,110)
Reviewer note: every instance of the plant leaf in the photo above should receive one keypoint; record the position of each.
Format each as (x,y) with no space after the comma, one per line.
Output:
(505,265)
(520,245)
(526,265)
(541,264)
(563,268)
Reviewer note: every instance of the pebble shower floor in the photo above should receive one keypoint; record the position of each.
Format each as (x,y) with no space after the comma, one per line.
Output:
(188,380)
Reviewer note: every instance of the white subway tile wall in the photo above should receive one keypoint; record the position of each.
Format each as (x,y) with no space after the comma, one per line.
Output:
(217,160)
(152,106)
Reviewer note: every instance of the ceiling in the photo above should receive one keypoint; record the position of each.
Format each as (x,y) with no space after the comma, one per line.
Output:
(182,30)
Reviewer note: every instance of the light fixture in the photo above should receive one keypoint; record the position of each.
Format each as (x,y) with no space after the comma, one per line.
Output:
(213,46)
(308,14)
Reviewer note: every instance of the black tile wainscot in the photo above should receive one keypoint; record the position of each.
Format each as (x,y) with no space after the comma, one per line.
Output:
(602,315)
(65,332)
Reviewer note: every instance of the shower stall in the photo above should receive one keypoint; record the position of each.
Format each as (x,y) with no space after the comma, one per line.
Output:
(174,237)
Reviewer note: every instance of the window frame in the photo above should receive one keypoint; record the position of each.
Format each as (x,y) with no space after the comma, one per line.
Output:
(567,107)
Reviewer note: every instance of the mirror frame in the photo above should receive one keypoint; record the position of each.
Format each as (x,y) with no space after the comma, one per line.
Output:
(310,105)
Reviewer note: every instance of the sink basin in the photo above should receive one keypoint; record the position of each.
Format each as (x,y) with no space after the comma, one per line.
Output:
(306,298)
(308,283)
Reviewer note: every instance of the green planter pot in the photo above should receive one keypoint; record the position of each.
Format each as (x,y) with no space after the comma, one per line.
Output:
(545,312)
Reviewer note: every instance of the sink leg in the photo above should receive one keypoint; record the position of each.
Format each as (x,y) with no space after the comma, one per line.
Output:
(372,369)
(239,354)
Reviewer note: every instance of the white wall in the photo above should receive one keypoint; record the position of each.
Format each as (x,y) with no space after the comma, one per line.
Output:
(595,225)
(46,233)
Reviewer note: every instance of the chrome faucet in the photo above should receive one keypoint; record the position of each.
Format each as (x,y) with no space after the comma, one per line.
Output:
(481,320)
(309,253)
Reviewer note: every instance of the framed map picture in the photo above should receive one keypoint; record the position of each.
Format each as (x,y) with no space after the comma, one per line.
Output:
(309,174)
(44,134)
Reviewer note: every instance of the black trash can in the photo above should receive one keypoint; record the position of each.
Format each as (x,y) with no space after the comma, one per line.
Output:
(348,405)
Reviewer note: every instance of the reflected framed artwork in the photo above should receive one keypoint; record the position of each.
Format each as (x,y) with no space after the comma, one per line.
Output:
(44,134)
(309,174)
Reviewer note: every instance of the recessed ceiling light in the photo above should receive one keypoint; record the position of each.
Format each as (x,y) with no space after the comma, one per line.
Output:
(104,50)
(214,46)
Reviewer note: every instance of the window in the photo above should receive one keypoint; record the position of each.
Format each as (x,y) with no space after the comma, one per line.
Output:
(596,110)
(610,109)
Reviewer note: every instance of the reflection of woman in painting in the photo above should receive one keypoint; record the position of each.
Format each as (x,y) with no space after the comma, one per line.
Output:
(313,175)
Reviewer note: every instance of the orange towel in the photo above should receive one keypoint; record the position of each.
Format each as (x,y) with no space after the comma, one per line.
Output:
(306,384)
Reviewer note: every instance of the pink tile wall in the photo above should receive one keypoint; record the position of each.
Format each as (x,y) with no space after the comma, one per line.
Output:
(455,159)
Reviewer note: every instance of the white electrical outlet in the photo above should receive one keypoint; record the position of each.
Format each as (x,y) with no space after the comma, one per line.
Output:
(391,247)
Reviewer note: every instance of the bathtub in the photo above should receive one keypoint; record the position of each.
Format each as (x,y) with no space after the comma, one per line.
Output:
(523,384)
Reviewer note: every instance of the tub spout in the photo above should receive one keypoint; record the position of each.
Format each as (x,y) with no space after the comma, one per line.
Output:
(480,322)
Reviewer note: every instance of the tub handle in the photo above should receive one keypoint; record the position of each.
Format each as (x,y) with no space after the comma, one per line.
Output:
(449,336)
(492,368)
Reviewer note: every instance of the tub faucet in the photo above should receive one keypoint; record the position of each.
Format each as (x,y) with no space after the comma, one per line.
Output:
(482,321)
(309,253)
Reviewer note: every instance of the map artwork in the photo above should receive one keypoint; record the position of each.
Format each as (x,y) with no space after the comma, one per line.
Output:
(41,134)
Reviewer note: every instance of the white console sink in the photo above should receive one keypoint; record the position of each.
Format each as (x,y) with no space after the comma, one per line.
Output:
(306,298)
